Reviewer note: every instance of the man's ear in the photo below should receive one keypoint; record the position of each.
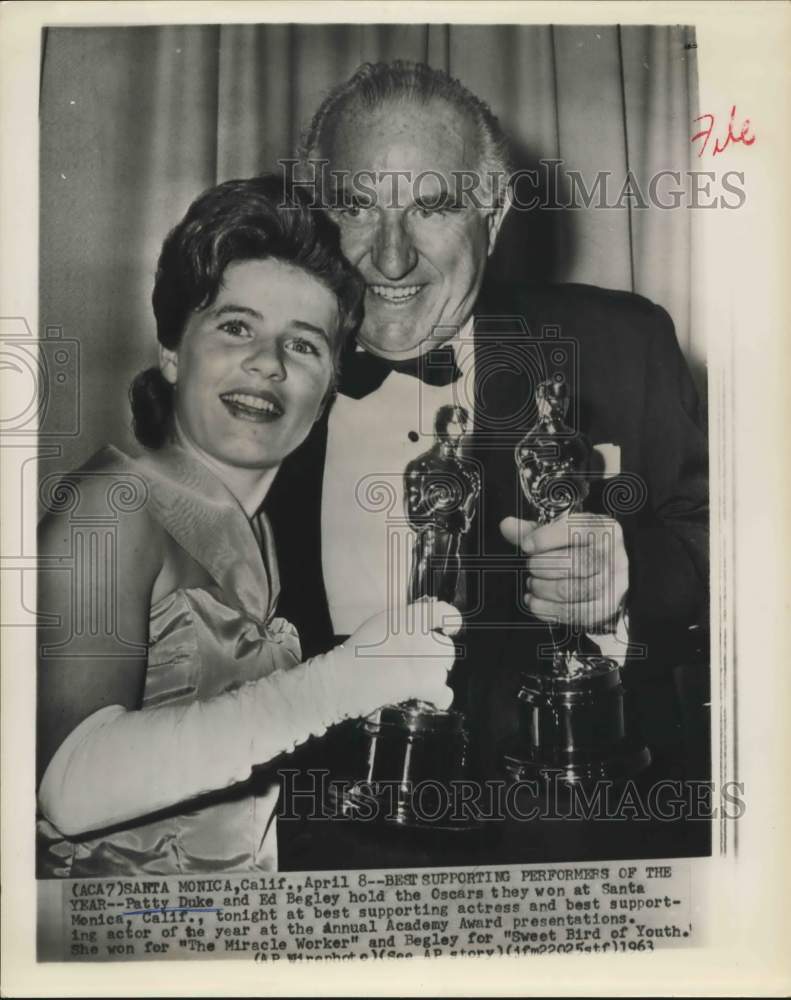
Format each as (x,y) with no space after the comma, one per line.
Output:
(496,217)
(169,364)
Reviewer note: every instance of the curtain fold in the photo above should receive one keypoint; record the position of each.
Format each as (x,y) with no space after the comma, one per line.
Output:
(136,121)
(658,112)
(255,68)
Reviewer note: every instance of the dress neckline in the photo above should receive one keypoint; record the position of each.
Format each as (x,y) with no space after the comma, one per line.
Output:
(209,523)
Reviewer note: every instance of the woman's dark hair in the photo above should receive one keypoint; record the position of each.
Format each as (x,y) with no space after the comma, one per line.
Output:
(255,219)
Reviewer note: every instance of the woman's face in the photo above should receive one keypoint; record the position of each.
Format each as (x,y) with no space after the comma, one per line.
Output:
(253,368)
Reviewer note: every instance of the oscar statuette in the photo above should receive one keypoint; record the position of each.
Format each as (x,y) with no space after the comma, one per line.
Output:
(572,725)
(414,750)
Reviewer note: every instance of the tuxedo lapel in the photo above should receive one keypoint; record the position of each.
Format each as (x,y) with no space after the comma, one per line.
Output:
(293,506)
(508,364)
(518,345)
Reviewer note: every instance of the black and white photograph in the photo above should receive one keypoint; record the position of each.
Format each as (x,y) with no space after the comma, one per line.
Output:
(372,461)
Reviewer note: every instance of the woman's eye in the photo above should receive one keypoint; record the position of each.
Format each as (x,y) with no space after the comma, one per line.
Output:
(300,346)
(235,327)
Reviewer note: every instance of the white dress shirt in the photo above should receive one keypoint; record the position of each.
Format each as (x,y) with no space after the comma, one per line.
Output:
(366,540)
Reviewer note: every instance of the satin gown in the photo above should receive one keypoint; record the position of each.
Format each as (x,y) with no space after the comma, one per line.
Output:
(203,641)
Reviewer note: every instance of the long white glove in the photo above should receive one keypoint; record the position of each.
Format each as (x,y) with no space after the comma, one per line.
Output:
(119,765)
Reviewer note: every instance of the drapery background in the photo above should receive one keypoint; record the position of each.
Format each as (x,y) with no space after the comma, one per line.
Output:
(136,121)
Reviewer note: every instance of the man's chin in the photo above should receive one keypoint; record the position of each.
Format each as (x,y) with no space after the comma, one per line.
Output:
(394,340)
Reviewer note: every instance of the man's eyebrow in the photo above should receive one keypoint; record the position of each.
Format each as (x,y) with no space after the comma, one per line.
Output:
(441,200)
(347,195)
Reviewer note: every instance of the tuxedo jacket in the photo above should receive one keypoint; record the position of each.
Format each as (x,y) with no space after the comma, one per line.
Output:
(632,395)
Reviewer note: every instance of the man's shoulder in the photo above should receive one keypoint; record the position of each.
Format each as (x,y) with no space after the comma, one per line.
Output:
(585,310)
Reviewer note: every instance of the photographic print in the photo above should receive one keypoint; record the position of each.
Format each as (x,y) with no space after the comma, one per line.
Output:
(378,422)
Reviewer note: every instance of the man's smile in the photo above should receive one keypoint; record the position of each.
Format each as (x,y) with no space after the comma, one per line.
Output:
(396,294)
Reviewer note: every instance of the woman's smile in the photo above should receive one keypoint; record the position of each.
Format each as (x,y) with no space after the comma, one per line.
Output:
(257,405)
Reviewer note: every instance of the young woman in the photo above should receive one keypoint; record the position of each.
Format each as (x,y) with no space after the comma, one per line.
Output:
(146,757)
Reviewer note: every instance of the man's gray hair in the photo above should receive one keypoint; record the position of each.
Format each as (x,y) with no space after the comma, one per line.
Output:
(374,84)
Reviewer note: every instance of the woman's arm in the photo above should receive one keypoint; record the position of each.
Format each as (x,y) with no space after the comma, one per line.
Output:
(118,765)
(91,578)
(103,761)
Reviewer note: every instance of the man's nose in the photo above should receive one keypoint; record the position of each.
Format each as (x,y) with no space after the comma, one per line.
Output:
(393,252)
(265,359)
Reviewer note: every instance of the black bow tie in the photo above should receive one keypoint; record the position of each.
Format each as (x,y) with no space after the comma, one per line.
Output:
(362,373)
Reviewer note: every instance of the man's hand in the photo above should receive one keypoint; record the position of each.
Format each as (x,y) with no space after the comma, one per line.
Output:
(579,569)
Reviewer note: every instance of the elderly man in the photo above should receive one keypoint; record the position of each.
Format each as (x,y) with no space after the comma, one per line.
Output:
(415,183)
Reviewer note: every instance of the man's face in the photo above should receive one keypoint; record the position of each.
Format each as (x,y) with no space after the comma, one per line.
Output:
(421,251)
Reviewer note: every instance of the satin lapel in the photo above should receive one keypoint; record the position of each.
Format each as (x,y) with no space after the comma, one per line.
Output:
(270,564)
(196,509)
(294,508)
(504,386)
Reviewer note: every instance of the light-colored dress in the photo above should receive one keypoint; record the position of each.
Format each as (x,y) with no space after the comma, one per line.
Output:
(203,641)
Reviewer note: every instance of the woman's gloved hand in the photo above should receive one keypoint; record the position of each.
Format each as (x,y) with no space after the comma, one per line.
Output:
(172,753)
(397,655)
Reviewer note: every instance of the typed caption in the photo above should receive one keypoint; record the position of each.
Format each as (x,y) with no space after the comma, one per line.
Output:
(613,907)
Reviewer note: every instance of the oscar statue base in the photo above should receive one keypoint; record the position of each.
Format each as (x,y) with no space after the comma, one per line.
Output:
(413,753)
(571,727)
